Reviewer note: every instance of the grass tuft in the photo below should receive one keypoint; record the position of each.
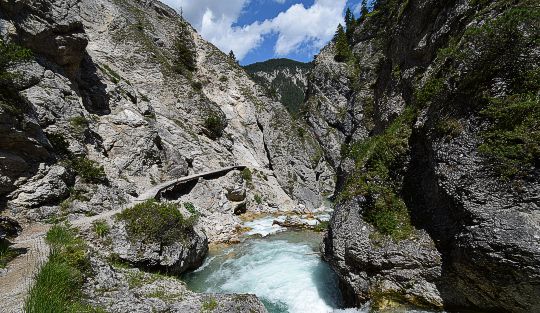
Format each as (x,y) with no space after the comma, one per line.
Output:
(58,285)
(101,228)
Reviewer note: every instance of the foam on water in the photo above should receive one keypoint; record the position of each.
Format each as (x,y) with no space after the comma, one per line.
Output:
(284,270)
(287,275)
(264,226)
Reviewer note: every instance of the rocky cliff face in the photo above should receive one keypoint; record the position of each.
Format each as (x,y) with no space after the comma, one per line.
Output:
(128,96)
(285,80)
(103,100)
(437,176)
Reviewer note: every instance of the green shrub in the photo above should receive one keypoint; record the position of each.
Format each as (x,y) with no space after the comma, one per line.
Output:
(214,126)
(500,47)
(191,208)
(90,171)
(377,159)
(258,198)
(449,127)
(157,222)
(247,175)
(59,143)
(429,91)
(512,142)
(79,124)
(11,54)
(390,216)
(59,282)
(101,228)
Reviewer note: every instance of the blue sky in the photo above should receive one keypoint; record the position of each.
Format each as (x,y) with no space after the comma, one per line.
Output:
(257,30)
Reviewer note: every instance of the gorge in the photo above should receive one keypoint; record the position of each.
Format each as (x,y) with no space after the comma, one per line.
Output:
(144,170)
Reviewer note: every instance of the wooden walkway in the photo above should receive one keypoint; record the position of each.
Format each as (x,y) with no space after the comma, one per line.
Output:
(154,192)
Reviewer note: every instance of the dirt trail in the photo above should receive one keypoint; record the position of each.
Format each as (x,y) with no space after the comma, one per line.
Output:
(15,284)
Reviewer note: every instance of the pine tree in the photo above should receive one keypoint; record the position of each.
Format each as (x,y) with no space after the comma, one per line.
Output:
(343,51)
(364,11)
(350,24)
(232,56)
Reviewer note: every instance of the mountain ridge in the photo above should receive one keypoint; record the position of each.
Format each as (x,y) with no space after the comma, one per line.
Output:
(284,80)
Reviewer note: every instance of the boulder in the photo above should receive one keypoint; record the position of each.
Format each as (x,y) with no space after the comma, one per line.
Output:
(50,188)
(184,254)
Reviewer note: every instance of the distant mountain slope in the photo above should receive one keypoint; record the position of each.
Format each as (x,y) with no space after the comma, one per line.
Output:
(284,79)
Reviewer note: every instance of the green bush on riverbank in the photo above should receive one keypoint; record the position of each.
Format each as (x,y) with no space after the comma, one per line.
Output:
(157,221)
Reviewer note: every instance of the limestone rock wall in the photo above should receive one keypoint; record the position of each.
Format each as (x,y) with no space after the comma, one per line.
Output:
(475,243)
(107,83)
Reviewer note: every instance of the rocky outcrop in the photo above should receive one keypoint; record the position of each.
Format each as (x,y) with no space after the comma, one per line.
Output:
(114,98)
(374,268)
(46,187)
(9,228)
(53,29)
(175,257)
(418,69)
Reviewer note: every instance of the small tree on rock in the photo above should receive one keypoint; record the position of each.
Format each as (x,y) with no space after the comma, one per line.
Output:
(364,10)
(350,24)
(232,56)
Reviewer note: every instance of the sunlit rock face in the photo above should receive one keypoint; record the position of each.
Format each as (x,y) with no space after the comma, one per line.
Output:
(110,86)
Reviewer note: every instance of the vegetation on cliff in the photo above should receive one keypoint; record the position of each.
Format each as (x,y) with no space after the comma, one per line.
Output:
(376,178)
(501,47)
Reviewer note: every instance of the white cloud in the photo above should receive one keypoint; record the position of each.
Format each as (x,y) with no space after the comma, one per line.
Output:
(313,26)
(297,28)
(194,10)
